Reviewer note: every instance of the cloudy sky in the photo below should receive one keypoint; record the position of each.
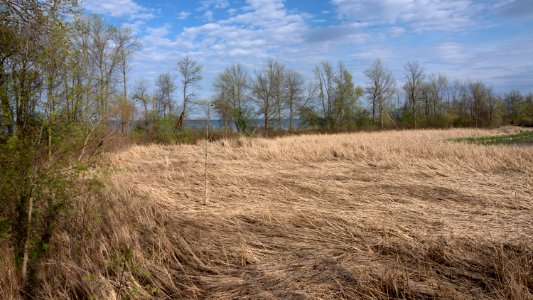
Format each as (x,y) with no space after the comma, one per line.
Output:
(489,40)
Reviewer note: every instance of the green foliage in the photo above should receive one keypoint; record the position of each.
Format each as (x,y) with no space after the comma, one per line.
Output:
(30,183)
(524,137)
(189,136)
(310,118)
(242,119)
(165,131)
(407,119)
(525,118)
(5,225)
(363,118)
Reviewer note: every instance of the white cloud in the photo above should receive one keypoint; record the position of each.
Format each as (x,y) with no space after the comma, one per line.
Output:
(397,31)
(258,30)
(245,33)
(502,64)
(159,54)
(452,52)
(119,9)
(158,37)
(135,26)
(182,15)
(419,14)
(213,4)
(261,29)
(208,15)
(514,9)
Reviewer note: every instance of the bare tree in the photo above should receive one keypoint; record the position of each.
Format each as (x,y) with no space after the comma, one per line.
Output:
(427,98)
(492,107)
(127,45)
(276,74)
(479,95)
(164,92)
(231,88)
(436,89)
(54,69)
(325,75)
(380,89)
(222,107)
(294,94)
(345,95)
(414,77)
(106,57)
(125,111)
(263,91)
(141,95)
(191,74)
(512,101)
(85,68)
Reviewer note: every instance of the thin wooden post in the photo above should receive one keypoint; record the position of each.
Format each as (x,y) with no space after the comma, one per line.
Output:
(27,243)
(207,152)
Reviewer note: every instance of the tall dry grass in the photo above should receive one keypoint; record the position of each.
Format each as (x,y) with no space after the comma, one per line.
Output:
(401,214)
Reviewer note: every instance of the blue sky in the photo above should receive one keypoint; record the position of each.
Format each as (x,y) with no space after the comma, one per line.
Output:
(464,39)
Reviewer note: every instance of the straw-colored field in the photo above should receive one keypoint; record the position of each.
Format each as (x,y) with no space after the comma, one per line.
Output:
(365,215)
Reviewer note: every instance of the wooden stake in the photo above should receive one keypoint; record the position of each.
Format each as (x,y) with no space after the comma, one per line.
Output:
(27,243)
(207,152)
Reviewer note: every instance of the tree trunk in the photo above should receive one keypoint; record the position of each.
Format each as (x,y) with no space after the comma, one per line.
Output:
(124,78)
(381,114)
(279,113)
(145,116)
(26,250)
(266,118)
(4,101)
(373,110)
(101,81)
(290,117)
(414,106)
(184,101)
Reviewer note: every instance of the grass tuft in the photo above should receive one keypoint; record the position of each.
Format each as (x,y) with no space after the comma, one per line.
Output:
(520,138)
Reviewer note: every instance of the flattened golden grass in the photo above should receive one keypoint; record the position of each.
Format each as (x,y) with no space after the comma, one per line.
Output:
(399,214)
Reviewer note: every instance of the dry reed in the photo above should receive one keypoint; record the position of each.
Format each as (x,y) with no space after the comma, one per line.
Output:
(399,214)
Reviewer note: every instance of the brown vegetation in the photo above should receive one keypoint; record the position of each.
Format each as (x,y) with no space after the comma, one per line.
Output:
(402,214)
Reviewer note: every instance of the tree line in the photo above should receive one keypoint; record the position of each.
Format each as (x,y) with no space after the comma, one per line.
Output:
(55,73)
(331,100)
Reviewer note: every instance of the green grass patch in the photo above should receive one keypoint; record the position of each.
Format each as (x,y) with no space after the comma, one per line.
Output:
(521,138)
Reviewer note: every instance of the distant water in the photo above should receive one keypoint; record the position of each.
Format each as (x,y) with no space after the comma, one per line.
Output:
(255,123)
(219,124)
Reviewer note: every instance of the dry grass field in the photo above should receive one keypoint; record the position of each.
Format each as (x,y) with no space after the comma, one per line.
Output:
(398,214)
